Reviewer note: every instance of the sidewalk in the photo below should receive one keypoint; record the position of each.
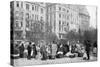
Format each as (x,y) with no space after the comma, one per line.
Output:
(25,62)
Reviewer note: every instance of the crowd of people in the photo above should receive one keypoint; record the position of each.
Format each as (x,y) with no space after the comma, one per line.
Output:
(53,50)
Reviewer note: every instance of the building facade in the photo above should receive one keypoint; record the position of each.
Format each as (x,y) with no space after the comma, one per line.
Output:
(56,17)
(63,18)
(29,19)
(32,20)
(84,20)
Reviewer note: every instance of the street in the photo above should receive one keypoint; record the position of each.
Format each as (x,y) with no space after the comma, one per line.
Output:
(25,62)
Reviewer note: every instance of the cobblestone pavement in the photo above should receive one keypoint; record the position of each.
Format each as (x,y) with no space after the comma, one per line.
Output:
(25,62)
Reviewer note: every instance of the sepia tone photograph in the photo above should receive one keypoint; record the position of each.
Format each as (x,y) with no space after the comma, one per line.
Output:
(52,33)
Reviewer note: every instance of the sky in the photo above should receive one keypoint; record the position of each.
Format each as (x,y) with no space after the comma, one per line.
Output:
(92,13)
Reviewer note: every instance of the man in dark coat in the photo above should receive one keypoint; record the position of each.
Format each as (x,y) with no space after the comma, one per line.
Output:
(87,44)
(65,48)
(29,48)
(21,50)
(60,51)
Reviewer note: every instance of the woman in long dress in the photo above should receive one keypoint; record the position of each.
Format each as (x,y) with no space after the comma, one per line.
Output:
(54,50)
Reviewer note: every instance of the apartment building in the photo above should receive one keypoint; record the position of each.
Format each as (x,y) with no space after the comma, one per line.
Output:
(62,18)
(29,18)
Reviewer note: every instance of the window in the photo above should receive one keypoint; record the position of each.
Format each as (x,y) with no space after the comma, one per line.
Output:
(16,15)
(59,25)
(63,16)
(59,8)
(32,26)
(21,24)
(32,7)
(27,6)
(27,19)
(71,22)
(67,11)
(17,4)
(35,8)
(37,17)
(32,16)
(60,36)
(41,10)
(50,9)
(67,24)
(21,15)
(22,4)
(68,17)
(65,29)
(54,8)
(59,15)
(63,9)
(63,22)
(41,18)
(27,15)
(27,24)
(18,24)
(62,25)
